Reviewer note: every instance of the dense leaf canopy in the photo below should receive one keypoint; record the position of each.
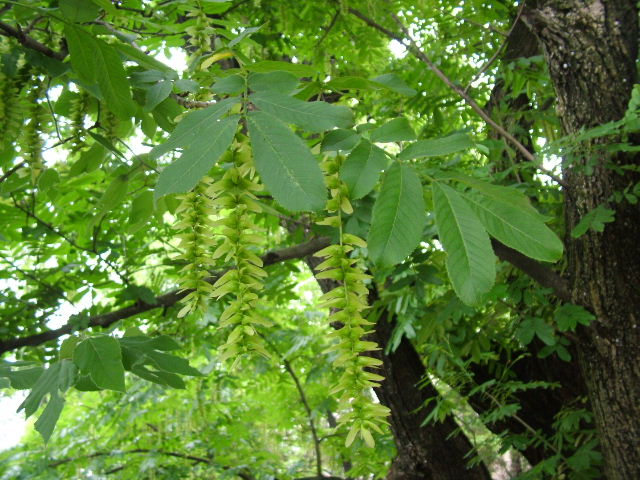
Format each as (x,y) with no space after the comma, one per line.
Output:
(169,169)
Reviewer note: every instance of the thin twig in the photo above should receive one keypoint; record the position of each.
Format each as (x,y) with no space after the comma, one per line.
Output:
(70,241)
(53,115)
(190,103)
(497,53)
(11,171)
(417,51)
(329,28)
(169,299)
(491,28)
(411,45)
(305,404)
(51,288)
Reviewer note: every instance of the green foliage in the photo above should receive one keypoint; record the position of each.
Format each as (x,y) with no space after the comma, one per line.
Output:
(285,164)
(172,204)
(398,216)
(470,260)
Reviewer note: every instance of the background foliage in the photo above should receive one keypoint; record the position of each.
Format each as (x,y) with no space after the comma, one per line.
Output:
(294,125)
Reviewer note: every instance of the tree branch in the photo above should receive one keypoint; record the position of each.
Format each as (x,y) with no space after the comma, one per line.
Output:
(536,270)
(193,458)
(163,301)
(305,404)
(408,42)
(29,42)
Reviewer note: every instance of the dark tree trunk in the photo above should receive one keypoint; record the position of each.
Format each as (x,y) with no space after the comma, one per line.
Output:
(591,51)
(436,451)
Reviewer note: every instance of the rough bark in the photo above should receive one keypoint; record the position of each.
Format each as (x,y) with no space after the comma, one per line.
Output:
(591,51)
(435,451)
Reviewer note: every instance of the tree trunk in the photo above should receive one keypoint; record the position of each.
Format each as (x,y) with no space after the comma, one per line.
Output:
(591,51)
(433,451)
(436,451)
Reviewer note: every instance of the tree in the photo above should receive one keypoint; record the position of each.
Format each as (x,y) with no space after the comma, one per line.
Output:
(329,247)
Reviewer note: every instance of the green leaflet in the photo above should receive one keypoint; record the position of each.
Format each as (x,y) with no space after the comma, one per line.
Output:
(311,116)
(339,139)
(437,146)
(595,220)
(233,84)
(396,130)
(394,83)
(197,158)
(141,210)
(78,10)
(361,170)
(398,216)
(285,164)
(81,48)
(195,128)
(52,382)
(498,193)
(101,358)
(156,94)
(94,60)
(297,69)
(280,82)
(49,417)
(515,228)
(470,259)
(140,352)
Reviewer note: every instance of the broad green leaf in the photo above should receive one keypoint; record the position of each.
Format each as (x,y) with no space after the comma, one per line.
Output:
(48,179)
(595,220)
(279,82)
(535,326)
(498,193)
(24,378)
(78,10)
(297,69)
(348,83)
(141,210)
(114,86)
(398,216)
(157,93)
(82,46)
(115,193)
(197,158)
(339,139)
(49,416)
(162,342)
(285,164)
(311,116)
(51,383)
(142,59)
(394,83)
(247,32)
(94,60)
(172,364)
(470,259)
(101,358)
(510,225)
(106,143)
(195,128)
(361,170)
(396,130)
(568,316)
(438,146)
(232,84)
